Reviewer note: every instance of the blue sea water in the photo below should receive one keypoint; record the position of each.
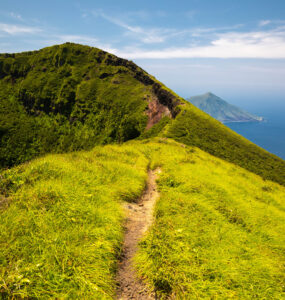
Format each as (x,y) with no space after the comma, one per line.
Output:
(269,134)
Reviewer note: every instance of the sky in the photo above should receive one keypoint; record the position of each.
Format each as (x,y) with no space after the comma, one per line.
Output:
(233,48)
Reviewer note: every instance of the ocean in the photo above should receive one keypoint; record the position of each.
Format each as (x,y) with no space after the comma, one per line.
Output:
(269,134)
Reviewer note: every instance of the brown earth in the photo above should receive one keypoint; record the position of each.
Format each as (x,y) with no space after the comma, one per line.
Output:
(155,112)
(140,217)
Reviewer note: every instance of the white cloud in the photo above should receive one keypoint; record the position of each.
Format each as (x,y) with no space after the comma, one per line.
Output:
(264,22)
(159,35)
(203,31)
(145,35)
(259,44)
(220,42)
(13,29)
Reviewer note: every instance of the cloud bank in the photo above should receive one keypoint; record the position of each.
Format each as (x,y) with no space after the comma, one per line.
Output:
(258,44)
(13,29)
(267,41)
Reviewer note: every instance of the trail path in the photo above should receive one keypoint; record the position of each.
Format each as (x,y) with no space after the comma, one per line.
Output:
(140,216)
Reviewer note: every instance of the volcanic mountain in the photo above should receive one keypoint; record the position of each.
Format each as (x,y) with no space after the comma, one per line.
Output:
(222,110)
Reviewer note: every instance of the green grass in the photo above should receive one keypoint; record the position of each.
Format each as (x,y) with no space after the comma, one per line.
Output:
(71,97)
(195,128)
(66,98)
(61,235)
(218,231)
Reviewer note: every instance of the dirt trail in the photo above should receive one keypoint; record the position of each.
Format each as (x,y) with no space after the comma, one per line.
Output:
(140,216)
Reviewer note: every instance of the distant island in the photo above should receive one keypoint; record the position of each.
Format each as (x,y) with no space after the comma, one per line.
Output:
(222,110)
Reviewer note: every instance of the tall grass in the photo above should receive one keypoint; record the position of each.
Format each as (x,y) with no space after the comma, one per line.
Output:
(61,235)
(218,232)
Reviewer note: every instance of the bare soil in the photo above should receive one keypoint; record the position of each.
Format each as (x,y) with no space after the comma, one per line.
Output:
(155,112)
(140,217)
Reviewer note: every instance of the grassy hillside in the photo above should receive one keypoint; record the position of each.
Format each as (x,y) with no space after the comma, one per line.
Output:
(71,97)
(218,231)
(195,128)
(61,223)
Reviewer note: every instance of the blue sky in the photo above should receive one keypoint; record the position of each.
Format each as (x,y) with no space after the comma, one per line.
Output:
(234,48)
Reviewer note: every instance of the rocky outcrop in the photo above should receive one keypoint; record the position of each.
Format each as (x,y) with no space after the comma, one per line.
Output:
(166,98)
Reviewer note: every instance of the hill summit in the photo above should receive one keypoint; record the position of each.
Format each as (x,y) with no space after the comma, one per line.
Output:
(222,110)
(70,97)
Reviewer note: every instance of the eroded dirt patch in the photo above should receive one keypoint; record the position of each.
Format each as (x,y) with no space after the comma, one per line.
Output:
(140,217)
(155,112)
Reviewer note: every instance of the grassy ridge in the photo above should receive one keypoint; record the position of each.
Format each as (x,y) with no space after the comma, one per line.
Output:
(70,97)
(218,232)
(195,128)
(61,222)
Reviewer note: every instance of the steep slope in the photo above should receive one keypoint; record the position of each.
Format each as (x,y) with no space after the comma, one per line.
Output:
(70,97)
(218,229)
(194,127)
(222,110)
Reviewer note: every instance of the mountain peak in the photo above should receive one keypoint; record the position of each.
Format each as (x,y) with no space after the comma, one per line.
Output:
(222,110)
(70,97)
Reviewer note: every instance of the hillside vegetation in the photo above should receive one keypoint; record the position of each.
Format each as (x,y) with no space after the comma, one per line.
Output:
(193,127)
(70,97)
(61,223)
(218,232)
(218,229)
